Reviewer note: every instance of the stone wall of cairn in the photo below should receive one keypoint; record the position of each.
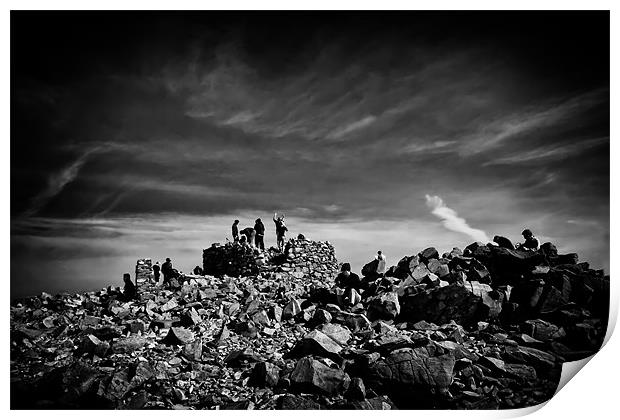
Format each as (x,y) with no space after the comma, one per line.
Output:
(309,260)
(302,259)
(144,272)
(231,259)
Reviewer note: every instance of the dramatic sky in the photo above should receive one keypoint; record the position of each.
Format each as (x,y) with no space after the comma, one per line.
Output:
(145,135)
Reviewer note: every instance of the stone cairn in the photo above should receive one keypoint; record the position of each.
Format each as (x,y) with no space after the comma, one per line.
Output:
(231,259)
(310,260)
(313,261)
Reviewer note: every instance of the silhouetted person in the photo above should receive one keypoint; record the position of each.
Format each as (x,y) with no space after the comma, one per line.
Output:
(348,287)
(166,270)
(280,230)
(235,231)
(259,228)
(250,235)
(130,291)
(156,270)
(381,262)
(503,242)
(198,270)
(531,242)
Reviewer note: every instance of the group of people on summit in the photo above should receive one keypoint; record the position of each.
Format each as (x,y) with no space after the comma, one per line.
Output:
(255,236)
(347,285)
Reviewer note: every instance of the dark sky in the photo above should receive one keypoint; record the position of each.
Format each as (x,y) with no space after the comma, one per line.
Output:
(141,132)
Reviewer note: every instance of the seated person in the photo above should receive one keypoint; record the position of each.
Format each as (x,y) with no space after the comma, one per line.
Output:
(348,286)
(531,242)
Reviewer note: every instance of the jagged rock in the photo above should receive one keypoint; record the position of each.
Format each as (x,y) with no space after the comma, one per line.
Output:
(191,317)
(355,322)
(465,304)
(261,318)
(428,254)
(338,333)
(168,306)
(236,357)
(412,375)
(543,330)
(129,344)
(264,374)
(179,336)
(356,390)
(294,402)
(276,313)
(384,306)
(311,375)
(193,350)
(321,316)
(137,326)
(291,310)
(92,345)
(318,344)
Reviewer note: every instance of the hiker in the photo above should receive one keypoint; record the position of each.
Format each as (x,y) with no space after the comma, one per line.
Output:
(249,234)
(381,262)
(348,287)
(198,270)
(259,228)
(280,230)
(503,242)
(531,242)
(166,270)
(130,291)
(235,231)
(156,270)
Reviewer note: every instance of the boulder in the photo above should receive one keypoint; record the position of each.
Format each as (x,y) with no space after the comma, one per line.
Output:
(316,343)
(313,376)
(129,344)
(542,330)
(93,346)
(464,303)
(428,254)
(338,333)
(291,310)
(264,374)
(357,390)
(412,376)
(179,336)
(384,306)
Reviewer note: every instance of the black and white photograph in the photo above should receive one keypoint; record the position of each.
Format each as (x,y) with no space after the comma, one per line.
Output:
(306,210)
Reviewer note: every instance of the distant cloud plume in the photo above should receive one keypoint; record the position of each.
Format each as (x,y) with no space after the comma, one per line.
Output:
(451,220)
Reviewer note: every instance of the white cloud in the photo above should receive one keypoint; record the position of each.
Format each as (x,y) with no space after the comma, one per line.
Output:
(452,221)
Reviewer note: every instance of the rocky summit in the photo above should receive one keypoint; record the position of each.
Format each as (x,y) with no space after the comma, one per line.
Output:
(483,328)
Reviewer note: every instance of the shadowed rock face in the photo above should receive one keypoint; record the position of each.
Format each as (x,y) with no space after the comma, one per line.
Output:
(411,376)
(489,329)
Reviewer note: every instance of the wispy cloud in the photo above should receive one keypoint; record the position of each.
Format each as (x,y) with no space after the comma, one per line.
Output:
(547,153)
(451,220)
(349,128)
(492,134)
(434,147)
(56,182)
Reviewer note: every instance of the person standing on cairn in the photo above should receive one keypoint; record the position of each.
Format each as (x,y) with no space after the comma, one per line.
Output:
(156,270)
(280,230)
(235,231)
(259,229)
